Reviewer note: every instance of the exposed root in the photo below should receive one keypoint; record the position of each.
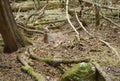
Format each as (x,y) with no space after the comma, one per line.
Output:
(68,18)
(101,72)
(55,61)
(27,68)
(106,43)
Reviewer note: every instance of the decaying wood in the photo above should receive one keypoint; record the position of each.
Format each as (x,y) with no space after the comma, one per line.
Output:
(101,72)
(48,22)
(20,58)
(80,23)
(27,68)
(106,43)
(109,20)
(29,5)
(24,6)
(97,15)
(101,6)
(41,12)
(68,18)
(55,61)
(24,27)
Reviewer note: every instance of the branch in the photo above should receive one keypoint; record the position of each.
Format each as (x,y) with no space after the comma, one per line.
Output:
(27,68)
(109,20)
(101,72)
(22,26)
(106,43)
(101,6)
(68,18)
(55,61)
(80,23)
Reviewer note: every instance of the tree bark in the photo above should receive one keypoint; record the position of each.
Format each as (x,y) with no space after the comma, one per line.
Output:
(8,28)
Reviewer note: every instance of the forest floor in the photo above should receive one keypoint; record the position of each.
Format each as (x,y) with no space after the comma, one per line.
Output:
(63,44)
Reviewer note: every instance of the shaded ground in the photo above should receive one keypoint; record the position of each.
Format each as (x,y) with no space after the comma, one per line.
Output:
(69,48)
(92,49)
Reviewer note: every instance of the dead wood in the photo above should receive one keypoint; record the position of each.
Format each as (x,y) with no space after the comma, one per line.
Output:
(24,27)
(101,6)
(29,5)
(109,20)
(27,68)
(106,43)
(69,21)
(48,22)
(40,13)
(101,72)
(56,61)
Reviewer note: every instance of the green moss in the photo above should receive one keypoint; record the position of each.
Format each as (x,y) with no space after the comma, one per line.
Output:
(80,72)
(31,72)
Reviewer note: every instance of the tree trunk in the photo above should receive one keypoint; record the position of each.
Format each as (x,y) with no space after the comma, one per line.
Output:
(8,28)
(97,14)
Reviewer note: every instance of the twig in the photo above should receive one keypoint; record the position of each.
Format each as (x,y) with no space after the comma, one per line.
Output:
(17,16)
(20,25)
(82,25)
(101,6)
(106,43)
(111,48)
(109,20)
(20,58)
(35,5)
(47,22)
(68,18)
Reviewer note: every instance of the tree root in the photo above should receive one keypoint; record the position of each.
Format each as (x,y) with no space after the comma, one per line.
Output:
(55,61)
(69,21)
(101,72)
(27,68)
(106,43)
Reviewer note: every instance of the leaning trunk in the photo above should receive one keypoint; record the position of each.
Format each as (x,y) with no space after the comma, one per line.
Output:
(8,28)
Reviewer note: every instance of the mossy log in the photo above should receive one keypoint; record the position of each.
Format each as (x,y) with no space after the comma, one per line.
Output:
(30,71)
(55,61)
(27,68)
(47,22)
(80,72)
(29,5)
(85,72)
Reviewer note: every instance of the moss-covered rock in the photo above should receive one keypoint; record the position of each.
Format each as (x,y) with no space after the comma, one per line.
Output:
(80,72)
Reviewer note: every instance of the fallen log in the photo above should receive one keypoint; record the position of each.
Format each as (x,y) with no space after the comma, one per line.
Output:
(29,5)
(56,61)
